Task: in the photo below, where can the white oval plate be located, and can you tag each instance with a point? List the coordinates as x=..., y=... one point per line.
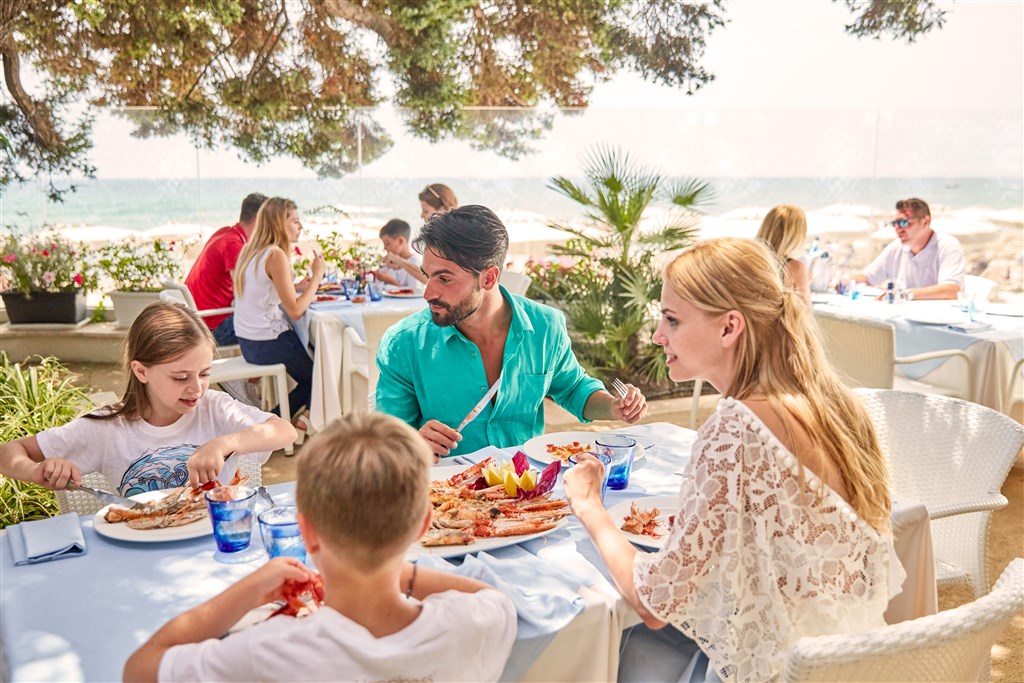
x=397, y=295
x=537, y=447
x=667, y=506
x=1009, y=310
x=935, y=317
x=122, y=532
x=439, y=472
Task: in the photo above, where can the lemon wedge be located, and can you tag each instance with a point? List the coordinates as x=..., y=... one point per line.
x=493, y=476
x=511, y=483
x=528, y=481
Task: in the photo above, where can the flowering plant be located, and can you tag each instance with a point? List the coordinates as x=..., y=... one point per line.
x=44, y=262
x=356, y=258
x=136, y=266
x=300, y=263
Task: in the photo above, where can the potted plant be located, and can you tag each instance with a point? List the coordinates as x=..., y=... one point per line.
x=136, y=269
x=43, y=278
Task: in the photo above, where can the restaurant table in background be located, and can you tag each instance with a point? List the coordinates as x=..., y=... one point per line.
x=321, y=330
x=79, y=619
x=992, y=352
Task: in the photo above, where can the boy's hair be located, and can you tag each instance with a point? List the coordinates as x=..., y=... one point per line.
x=163, y=332
x=396, y=227
x=363, y=485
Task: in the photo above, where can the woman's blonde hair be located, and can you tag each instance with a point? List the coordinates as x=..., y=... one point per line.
x=779, y=354
x=439, y=197
x=271, y=231
x=162, y=333
x=784, y=229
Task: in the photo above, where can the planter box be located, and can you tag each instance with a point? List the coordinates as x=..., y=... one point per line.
x=45, y=307
x=128, y=305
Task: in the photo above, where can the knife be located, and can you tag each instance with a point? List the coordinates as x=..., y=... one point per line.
x=480, y=406
x=106, y=496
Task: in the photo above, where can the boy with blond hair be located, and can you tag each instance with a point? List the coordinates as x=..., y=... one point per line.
x=362, y=496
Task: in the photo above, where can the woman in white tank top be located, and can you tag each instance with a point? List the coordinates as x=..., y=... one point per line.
x=265, y=293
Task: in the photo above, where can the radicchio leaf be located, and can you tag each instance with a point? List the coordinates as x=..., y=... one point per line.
x=520, y=463
x=547, y=480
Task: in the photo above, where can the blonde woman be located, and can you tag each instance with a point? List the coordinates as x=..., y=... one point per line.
x=434, y=198
x=784, y=229
x=783, y=525
x=265, y=293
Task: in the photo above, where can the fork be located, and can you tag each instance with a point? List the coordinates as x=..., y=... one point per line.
x=262, y=490
x=619, y=387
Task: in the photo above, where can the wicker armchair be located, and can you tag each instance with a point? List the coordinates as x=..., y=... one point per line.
x=360, y=357
x=949, y=646
x=83, y=503
x=952, y=456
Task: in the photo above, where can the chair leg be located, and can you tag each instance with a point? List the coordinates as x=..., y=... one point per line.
x=698, y=386
x=282, y=401
x=346, y=392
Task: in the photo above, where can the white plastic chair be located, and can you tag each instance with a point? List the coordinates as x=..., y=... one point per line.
x=953, y=456
x=359, y=356
x=1010, y=399
x=515, y=283
x=83, y=503
x=953, y=645
x=979, y=288
x=178, y=292
x=864, y=354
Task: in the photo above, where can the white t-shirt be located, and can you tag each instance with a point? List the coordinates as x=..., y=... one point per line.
x=403, y=277
x=941, y=262
x=258, y=313
x=457, y=637
x=136, y=456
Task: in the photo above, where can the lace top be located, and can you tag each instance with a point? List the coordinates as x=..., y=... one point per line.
x=753, y=562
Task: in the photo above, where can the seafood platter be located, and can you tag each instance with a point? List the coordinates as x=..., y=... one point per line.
x=645, y=521
x=490, y=505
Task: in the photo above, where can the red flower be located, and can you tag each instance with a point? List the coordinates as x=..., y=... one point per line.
x=10, y=258
x=53, y=245
x=298, y=252
x=78, y=279
x=45, y=252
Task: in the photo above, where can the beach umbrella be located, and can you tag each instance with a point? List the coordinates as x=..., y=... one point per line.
x=720, y=226
x=94, y=235
x=835, y=227
x=178, y=231
x=853, y=210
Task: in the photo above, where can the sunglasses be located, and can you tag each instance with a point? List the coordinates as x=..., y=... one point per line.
x=900, y=223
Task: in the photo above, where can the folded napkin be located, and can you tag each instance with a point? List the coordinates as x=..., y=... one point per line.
x=968, y=327
x=47, y=539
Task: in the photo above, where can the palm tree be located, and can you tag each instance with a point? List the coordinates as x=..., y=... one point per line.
x=612, y=317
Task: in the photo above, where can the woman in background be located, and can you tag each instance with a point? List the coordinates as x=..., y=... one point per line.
x=784, y=229
x=434, y=198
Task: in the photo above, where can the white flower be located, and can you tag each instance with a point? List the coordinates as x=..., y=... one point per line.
x=49, y=277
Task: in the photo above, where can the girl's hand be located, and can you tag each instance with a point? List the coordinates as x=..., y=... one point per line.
x=302, y=285
x=56, y=473
x=266, y=584
x=319, y=268
x=206, y=463
x=583, y=482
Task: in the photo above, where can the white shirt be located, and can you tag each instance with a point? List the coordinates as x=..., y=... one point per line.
x=404, y=278
x=941, y=262
x=457, y=637
x=136, y=456
x=258, y=314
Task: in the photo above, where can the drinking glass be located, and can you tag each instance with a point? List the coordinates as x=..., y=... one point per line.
x=279, y=528
x=965, y=300
x=231, y=509
x=620, y=450
x=606, y=462
x=375, y=290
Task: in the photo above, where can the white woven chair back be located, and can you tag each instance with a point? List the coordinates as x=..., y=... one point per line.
x=953, y=645
x=515, y=283
x=862, y=352
x=953, y=456
x=375, y=324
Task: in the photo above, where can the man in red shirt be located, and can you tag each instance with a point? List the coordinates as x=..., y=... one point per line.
x=210, y=278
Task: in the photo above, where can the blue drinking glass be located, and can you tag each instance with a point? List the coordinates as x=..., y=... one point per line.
x=279, y=528
x=620, y=450
x=231, y=511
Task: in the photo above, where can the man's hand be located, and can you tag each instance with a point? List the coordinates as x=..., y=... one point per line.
x=393, y=261
x=440, y=437
x=56, y=473
x=632, y=408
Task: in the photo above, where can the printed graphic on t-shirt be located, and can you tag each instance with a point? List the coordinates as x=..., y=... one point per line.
x=163, y=468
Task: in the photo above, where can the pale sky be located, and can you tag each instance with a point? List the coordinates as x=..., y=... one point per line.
x=794, y=95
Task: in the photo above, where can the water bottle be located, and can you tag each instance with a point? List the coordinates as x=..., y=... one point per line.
x=890, y=292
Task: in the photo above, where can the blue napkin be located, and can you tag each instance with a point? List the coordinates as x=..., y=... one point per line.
x=47, y=539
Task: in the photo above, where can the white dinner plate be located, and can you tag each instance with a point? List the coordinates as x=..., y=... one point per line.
x=935, y=317
x=398, y=295
x=537, y=447
x=1011, y=310
x=122, y=532
x=439, y=472
x=667, y=506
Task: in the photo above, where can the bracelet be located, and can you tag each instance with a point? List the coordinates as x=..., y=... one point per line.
x=412, y=580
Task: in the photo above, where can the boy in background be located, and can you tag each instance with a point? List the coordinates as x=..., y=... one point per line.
x=362, y=496
x=401, y=266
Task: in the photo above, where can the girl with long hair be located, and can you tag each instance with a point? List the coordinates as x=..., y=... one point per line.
x=265, y=293
x=783, y=527
x=167, y=430
x=784, y=230
x=434, y=198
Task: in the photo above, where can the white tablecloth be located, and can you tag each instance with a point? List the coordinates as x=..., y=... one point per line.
x=79, y=619
x=992, y=352
x=322, y=328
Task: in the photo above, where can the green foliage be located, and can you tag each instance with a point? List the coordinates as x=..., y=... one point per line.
x=139, y=266
x=607, y=278
x=902, y=19
x=33, y=398
x=44, y=262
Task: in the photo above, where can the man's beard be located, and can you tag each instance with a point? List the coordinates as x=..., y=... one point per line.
x=453, y=315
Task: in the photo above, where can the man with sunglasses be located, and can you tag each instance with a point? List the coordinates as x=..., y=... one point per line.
x=928, y=265
x=437, y=366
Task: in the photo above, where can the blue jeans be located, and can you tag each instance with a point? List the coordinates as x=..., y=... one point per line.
x=665, y=656
x=285, y=349
x=224, y=334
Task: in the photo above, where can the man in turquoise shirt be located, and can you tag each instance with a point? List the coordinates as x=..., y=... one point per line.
x=436, y=365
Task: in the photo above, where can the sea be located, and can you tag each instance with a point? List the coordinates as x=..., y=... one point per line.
x=142, y=204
